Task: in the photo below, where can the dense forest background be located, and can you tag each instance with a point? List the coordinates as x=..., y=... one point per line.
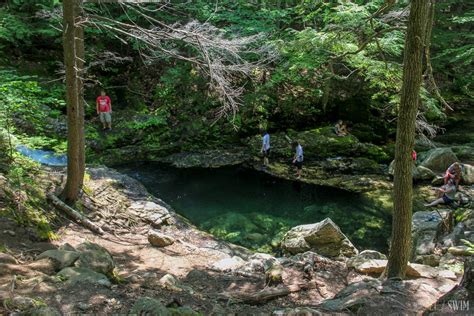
x=336, y=60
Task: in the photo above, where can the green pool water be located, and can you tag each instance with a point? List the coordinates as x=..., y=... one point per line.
x=254, y=210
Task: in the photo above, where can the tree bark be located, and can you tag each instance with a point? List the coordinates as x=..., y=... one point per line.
x=409, y=101
x=80, y=61
x=75, y=109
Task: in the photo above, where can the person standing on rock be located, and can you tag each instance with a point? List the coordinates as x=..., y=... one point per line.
x=265, y=148
x=298, y=158
x=104, y=110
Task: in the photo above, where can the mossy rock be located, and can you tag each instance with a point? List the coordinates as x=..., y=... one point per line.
x=149, y=306
x=319, y=143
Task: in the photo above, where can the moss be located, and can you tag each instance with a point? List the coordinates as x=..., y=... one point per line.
x=256, y=231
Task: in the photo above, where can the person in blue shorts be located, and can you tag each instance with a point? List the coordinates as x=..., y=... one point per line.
x=298, y=158
x=447, y=194
x=265, y=148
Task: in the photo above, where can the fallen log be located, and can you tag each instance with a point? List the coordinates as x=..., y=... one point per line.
x=265, y=294
x=83, y=220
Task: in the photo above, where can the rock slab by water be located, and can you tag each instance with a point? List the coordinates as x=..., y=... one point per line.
x=324, y=238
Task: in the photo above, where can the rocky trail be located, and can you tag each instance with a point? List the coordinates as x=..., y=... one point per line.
x=152, y=261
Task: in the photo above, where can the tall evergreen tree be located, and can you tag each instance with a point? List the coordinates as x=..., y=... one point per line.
x=409, y=102
x=73, y=39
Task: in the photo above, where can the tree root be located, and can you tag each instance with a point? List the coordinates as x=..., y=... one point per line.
x=83, y=220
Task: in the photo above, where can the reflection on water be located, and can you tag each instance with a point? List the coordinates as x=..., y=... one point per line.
x=253, y=209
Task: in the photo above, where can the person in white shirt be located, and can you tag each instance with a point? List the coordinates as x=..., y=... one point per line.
x=298, y=158
x=265, y=148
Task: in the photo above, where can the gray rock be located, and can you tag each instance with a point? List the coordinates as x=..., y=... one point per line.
x=22, y=303
x=96, y=258
x=364, y=256
x=469, y=236
x=83, y=275
x=149, y=306
x=414, y=270
x=67, y=247
x=426, y=227
x=158, y=239
x=8, y=259
x=83, y=306
x=324, y=238
x=228, y=264
x=468, y=174
x=355, y=294
x=45, y=311
x=423, y=173
x=439, y=159
x=430, y=260
x=453, y=238
x=262, y=261
x=453, y=263
x=169, y=281
x=299, y=311
x=420, y=173
x=62, y=258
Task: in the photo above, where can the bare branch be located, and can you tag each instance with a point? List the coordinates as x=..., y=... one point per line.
x=221, y=58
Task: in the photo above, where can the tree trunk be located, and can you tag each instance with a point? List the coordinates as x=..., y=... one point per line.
x=80, y=58
x=412, y=78
x=74, y=100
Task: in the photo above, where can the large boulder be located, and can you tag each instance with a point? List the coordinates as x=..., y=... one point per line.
x=438, y=159
x=426, y=227
x=96, y=258
x=468, y=174
x=420, y=173
x=365, y=256
x=62, y=258
x=228, y=264
x=83, y=276
x=324, y=238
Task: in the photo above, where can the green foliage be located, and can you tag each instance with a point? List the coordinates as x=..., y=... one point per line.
x=452, y=48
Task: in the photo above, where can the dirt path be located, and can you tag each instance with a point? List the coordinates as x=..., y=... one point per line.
x=124, y=209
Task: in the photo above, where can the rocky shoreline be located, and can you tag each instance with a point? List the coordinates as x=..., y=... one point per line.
x=150, y=256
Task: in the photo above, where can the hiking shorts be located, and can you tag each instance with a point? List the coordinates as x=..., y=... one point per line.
x=299, y=164
x=105, y=117
x=446, y=199
x=266, y=153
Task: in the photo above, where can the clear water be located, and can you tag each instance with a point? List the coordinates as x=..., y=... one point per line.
x=45, y=157
x=254, y=209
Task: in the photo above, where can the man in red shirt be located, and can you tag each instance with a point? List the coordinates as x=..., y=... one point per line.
x=104, y=110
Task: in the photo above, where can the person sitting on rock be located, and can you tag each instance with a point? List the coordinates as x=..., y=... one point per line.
x=446, y=194
x=298, y=158
x=341, y=128
x=453, y=172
